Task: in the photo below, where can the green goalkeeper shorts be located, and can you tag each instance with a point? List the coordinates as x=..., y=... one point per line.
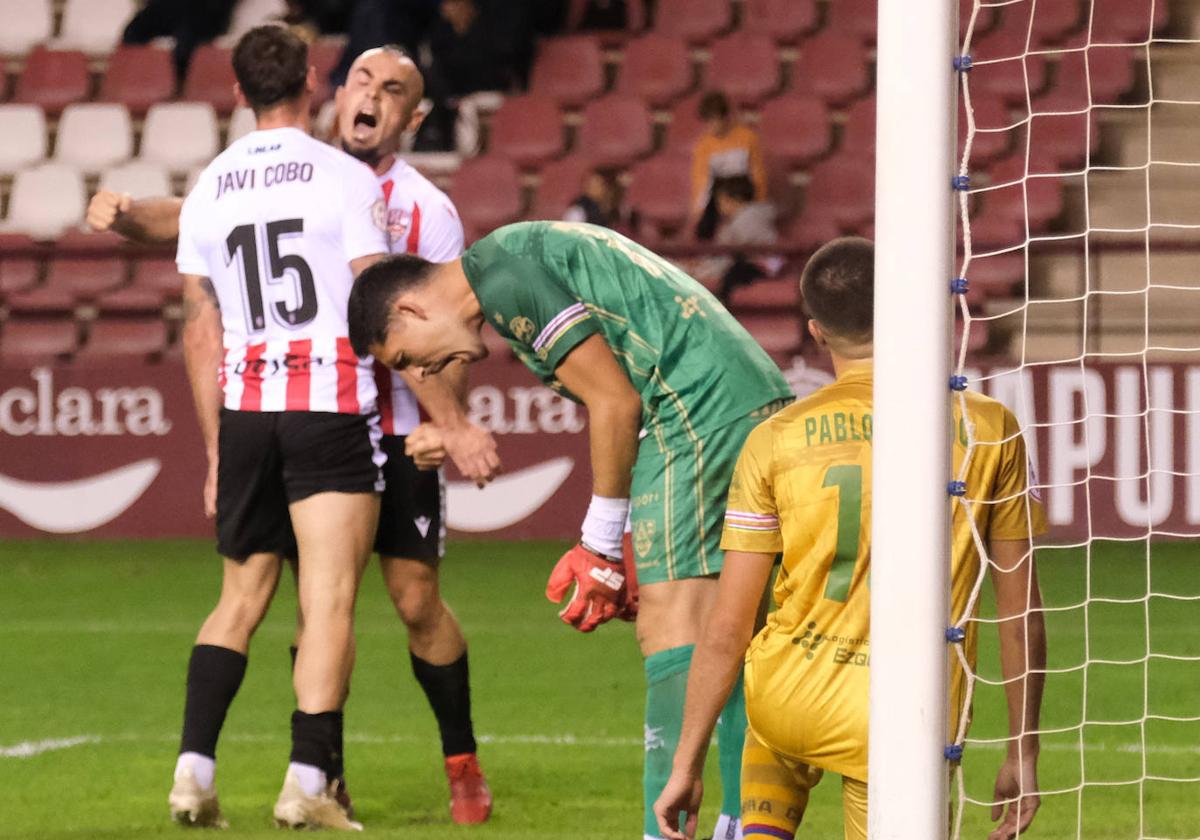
x=680, y=486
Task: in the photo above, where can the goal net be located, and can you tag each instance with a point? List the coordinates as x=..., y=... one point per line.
x=1079, y=308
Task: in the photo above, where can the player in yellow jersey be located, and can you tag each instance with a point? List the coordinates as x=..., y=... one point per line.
x=803, y=487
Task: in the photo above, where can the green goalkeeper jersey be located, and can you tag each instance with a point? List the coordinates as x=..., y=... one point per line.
x=546, y=286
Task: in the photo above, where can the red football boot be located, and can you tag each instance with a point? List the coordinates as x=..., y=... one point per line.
x=470, y=797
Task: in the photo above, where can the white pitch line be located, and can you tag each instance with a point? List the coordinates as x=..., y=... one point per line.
x=26, y=749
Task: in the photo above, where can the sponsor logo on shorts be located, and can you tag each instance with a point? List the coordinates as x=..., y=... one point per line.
x=643, y=537
x=848, y=651
x=423, y=523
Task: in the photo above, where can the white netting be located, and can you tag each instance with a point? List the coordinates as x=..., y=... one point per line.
x=1080, y=240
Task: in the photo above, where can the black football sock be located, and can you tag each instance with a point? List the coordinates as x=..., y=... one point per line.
x=448, y=688
x=293, y=650
x=214, y=675
x=316, y=741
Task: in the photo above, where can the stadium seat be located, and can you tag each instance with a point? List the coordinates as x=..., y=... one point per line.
x=795, y=129
x=241, y=122
x=635, y=16
x=139, y=178
x=990, y=114
x=660, y=191
x=745, y=67
x=86, y=278
x=324, y=54
x=657, y=68
x=1007, y=77
x=811, y=230
x=248, y=14
x=1103, y=74
x=785, y=21
x=20, y=267
x=858, y=132
x=527, y=130
x=994, y=276
x=180, y=135
x=778, y=334
x=685, y=127
x=210, y=78
x=94, y=26
x=842, y=189
x=1052, y=22
x=696, y=21
x=131, y=300
x=33, y=340
x=778, y=295
x=560, y=183
x=158, y=275
x=53, y=79
x=138, y=77
x=45, y=201
x=1041, y=199
x=92, y=136
x=26, y=24
x=569, y=70
x=834, y=67
x=616, y=131
x=487, y=193
x=1066, y=138
x=128, y=338
x=857, y=18
x=22, y=137
x=1127, y=21
x=81, y=242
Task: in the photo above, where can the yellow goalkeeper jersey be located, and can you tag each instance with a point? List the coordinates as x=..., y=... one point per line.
x=802, y=487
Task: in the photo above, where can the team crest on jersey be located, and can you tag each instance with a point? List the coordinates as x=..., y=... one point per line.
x=379, y=214
x=643, y=537
x=522, y=328
x=398, y=222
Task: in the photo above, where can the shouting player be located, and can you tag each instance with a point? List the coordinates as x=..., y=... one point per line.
x=270, y=240
x=378, y=104
x=643, y=346
x=803, y=488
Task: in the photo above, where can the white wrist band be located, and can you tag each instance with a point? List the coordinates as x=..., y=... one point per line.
x=604, y=525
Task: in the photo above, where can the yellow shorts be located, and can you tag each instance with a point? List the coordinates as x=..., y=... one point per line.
x=775, y=795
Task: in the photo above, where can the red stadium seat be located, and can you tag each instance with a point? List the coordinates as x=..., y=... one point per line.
x=487, y=193
x=657, y=68
x=53, y=79
x=795, y=129
x=745, y=67
x=561, y=183
x=616, y=131
x=772, y=295
x=86, y=278
x=1066, y=138
x=1106, y=73
x=785, y=21
x=778, y=334
x=857, y=18
x=994, y=276
x=1127, y=21
x=210, y=78
x=858, y=134
x=834, y=67
x=34, y=340
x=1052, y=22
x=1038, y=198
x=811, y=230
x=20, y=267
x=685, y=127
x=843, y=190
x=696, y=21
x=1006, y=78
x=324, y=54
x=659, y=191
x=990, y=115
x=138, y=77
x=131, y=300
x=159, y=276
x=569, y=70
x=527, y=130
x=129, y=338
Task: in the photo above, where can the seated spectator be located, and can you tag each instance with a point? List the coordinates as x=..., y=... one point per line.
x=598, y=204
x=726, y=149
x=374, y=23
x=190, y=23
x=743, y=219
x=602, y=14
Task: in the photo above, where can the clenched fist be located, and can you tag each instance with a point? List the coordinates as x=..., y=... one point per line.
x=106, y=207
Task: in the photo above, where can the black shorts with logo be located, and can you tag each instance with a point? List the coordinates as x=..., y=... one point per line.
x=270, y=459
x=412, y=512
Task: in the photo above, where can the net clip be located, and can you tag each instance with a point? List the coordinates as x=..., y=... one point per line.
x=963, y=63
x=954, y=635
x=957, y=488
x=958, y=383
x=961, y=183
x=960, y=286
x=953, y=752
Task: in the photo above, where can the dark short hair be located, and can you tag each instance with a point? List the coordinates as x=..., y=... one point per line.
x=737, y=187
x=713, y=105
x=838, y=287
x=271, y=66
x=374, y=292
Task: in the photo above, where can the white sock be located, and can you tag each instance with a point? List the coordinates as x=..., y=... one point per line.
x=728, y=828
x=312, y=779
x=202, y=767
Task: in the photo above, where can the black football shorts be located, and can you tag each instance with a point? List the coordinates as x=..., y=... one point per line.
x=270, y=459
x=412, y=511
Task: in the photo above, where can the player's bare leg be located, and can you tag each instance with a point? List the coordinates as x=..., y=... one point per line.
x=438, y=651
x=671, y=616
x=215, y=671
x=334, y=532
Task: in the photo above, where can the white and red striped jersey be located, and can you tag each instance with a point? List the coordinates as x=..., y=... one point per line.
x=274, y=222
x=421, y=220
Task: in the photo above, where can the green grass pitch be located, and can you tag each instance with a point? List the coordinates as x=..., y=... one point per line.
x=95, y=636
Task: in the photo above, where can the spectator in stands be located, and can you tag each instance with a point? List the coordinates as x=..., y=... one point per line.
x=603, y=14
x=374, y=23
x=726, y=149
x=598, y=204
x=191, y=24
x=743, y=219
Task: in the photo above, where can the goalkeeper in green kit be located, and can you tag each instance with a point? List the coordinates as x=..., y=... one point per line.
x=673, y=385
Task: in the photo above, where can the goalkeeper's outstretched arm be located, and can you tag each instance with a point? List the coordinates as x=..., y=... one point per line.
x=1022, y=630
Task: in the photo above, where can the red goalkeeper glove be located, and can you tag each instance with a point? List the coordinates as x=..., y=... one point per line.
x=599, y=588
